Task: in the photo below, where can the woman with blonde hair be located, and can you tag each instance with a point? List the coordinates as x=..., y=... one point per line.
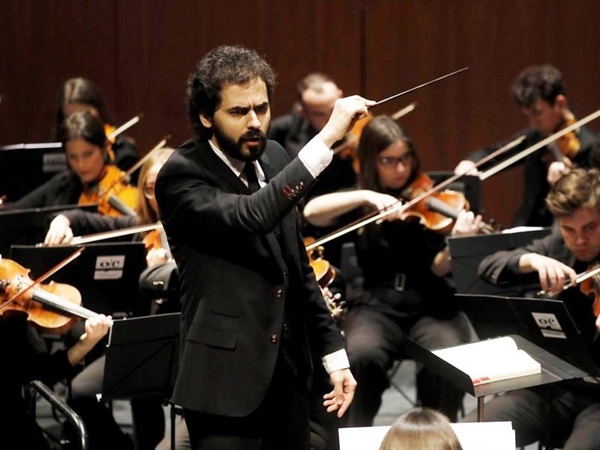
x=421, y=428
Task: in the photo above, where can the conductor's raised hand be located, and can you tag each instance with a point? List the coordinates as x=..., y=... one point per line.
x=345, y=113
x=340, y=398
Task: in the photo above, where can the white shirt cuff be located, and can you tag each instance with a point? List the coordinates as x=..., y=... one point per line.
x=336, y=361
x=316, y=156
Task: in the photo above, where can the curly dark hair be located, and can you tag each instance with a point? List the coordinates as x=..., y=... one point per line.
x=226, y=64
x=538, y=82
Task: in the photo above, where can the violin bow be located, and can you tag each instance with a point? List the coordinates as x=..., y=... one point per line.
x=45, y=276
x=125, y=126
x=579, y=279
x=528, y=151
x=79, y=240
x=378, y=215
x=136, y=166
x=397, y=115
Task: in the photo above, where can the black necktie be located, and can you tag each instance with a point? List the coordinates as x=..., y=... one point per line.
x=251, y=177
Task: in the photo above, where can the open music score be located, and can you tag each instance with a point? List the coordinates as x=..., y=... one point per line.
x=491, y=360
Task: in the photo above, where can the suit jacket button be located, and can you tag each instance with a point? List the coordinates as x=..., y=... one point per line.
x=274, y=338
x=279, y=293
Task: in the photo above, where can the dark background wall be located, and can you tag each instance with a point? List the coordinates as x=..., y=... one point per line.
x=140, y=53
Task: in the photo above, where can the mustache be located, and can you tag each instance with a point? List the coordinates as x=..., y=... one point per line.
x=257, y=134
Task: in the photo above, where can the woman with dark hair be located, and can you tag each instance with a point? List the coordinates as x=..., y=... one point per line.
x=82, y=94
x=89, y=172
x=404, y=264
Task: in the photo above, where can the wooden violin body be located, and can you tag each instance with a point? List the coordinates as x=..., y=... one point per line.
x=422, y=210
x=112, y=194
x=591, y=287
x=53, y=307
x=325, y=275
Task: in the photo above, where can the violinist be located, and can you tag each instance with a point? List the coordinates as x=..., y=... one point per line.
x=540, y=94
x=159, y=294
x=316, y=94
x=573, y=411
x=404, y=266
x=91, y=177
x=25, y=357
x=82, y=94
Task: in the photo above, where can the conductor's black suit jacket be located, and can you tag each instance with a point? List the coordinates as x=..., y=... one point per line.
x=244, y=273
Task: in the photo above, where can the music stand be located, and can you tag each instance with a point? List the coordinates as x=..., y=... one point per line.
x=106, y=274
x=142, y=357
x=542, y=327
x=468, y=251
x=544, y=322
x=41, y=162
x=29, y=226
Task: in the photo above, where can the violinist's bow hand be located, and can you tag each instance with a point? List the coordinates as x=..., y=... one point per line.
x=557, y=169
x=59, y=232
x=466, y=167
x=554, y=276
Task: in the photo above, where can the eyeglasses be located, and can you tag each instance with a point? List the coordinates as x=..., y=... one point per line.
x=149, y=191
x=392, y=162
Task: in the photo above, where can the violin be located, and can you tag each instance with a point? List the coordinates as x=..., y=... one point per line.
x=591, y=287
x=438, y=211
x=347, y=149
x=421, y=210
x=53, y=307
x=112, y=194
x=566, y=146
x=325, y=275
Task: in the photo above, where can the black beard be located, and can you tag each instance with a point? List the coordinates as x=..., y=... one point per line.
x=234, y=148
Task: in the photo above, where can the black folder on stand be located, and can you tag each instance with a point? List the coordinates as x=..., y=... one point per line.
x=24, y=167
x=106, y=274
x=29, y=226
x=468, y=251
x=142, y=357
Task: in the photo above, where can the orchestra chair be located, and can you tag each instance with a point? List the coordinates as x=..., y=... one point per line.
x=37, y=388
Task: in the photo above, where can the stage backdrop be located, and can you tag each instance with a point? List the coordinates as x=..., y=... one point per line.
x=140, y=53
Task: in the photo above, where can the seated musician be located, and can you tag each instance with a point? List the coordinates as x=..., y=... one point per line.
x=148, y=415
x=25, y=357
x=540, y=93
x=91, y=177
x=82, y=94
x=404, y=265
x=568, y=410
x=316, y=94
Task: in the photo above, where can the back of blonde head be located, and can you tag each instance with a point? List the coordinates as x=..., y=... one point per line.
x=421, y=428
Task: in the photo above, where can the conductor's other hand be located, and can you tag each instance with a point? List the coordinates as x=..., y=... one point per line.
x=340, y=398
x=345, y=113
